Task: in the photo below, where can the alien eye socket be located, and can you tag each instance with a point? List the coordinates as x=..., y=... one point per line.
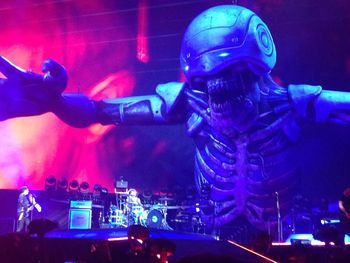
x=199, y=84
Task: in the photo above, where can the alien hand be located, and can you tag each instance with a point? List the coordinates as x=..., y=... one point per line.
x=25, y=93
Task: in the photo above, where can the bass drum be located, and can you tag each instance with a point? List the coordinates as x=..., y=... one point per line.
x=152, y=219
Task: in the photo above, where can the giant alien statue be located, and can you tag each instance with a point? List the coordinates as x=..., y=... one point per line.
x=243, y=124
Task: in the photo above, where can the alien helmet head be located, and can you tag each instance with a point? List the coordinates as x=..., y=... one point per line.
x=223, y=36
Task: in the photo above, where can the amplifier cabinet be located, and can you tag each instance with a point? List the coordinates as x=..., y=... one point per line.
x=79, y=218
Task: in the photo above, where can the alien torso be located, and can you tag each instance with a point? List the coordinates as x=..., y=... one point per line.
x=247, y=172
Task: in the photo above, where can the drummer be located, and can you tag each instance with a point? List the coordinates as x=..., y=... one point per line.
x=134, y=206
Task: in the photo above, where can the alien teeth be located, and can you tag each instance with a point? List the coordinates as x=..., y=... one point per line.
x=225, y=107
x=217, y=85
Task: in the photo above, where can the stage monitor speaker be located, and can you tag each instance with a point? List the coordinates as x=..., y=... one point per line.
x=79, y=218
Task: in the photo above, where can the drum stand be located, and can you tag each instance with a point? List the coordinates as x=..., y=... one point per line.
x=119, y=213
x=119, y=200
x=129, y=215
x=165, y=224
x=164, y=210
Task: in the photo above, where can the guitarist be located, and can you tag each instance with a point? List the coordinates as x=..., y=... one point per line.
x=26, y=203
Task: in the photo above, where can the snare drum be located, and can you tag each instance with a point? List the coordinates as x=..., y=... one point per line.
x=137, y=210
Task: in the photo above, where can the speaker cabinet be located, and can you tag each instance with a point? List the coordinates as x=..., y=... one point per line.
x=79, y=218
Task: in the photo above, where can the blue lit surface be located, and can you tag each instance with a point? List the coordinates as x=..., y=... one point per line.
x=79, y=218
x=310, y=238
x=347, y=239
x=304, y=237
x=104, y=234
x=224, y=54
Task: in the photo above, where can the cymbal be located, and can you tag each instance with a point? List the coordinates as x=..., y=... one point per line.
x=161, y=206
x=172, y=207
x=165, y=198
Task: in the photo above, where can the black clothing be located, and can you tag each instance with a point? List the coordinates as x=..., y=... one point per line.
x=24, y=208
x=344, y=220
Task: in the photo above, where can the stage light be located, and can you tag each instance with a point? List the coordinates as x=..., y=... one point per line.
x=104, y=193
x=84, y=188
x=73, y=186
x=97, y=188
x=50, y=183
x=62, y=185
x=142, y=53
x=96, y=193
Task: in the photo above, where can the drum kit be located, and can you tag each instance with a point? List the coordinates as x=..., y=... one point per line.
x=151, y=216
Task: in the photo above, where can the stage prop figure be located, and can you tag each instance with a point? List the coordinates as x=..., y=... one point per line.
x=243, y=124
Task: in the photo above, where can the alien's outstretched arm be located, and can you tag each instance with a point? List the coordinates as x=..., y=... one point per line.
x=333, y=106
x=321, y=105
x=25, y=93
x=167, y=106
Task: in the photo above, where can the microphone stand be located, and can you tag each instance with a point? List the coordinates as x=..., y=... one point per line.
x=279, y=221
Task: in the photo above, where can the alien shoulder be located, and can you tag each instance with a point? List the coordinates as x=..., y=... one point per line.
x=302, y=98
x=172, y=93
